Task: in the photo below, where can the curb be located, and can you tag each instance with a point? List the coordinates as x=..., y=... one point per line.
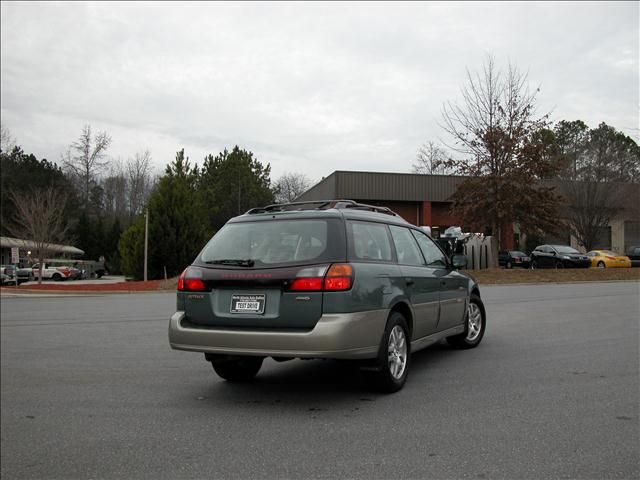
x=28, y=292
x=572, y=282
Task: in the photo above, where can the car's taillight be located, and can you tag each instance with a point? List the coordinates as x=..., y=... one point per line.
x=306, y=284
x=339, y=277
x=610, y=258
x=191, y=281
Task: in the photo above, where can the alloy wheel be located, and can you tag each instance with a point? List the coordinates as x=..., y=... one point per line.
x=474, y=321
x=397, y=352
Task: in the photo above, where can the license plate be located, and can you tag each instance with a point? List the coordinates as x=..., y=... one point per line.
x=248, y=303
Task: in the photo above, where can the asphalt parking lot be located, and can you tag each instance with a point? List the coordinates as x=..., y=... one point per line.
x=90, y=389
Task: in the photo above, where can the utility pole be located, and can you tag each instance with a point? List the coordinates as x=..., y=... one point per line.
x=146, y=241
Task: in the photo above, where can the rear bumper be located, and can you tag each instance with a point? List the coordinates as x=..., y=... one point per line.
x=344, y=336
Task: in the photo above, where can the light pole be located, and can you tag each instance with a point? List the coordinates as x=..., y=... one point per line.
x=146, y=241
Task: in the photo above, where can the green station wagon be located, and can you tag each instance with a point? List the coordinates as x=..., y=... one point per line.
x=328, y=279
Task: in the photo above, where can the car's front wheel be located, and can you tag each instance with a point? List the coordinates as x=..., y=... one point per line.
x=389, y=373
x=475, y=326
x=237, y=369
x=509, y=265
x=601, y=264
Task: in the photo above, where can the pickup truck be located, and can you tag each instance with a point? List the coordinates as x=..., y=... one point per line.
x=50, y=272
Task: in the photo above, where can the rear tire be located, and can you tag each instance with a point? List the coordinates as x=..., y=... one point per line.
x=601, y=265
x=474, y=328
x=391, y=367
x=509, y=265
x=237, y=369
x=56, y=277
x=534, y=265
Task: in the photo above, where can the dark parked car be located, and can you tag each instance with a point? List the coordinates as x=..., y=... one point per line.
x=332, y=279
x=513, y=258
x=634, y=256
x=558, y=256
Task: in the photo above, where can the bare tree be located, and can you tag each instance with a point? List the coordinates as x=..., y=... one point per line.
x=39, y=217
x=86, y=158
x=496, y=130
x=430, y=160
x=115, y=186
x=140, y=182
x=590, y=207
x=7, y=141
x=601, y=161
x=290, y=186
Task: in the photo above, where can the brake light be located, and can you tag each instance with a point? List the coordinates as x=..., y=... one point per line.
x=306, y=284
x=191, y=281
x=339, y=277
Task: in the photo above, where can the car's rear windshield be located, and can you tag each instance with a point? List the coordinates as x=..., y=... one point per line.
x=561, y=249
x=516, y=253
x=276, y=242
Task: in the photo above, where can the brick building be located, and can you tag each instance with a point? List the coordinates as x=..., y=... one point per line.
x=425, y=200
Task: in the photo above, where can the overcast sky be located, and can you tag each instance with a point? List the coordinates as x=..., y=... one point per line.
x=308, y=87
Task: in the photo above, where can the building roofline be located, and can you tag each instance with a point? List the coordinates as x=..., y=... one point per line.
x=9, y=242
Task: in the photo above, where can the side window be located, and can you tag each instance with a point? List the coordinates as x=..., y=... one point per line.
x=369, y=241
x=406, y=247
x=432, y=254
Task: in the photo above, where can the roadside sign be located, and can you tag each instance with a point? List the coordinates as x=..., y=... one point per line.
x=15, y=255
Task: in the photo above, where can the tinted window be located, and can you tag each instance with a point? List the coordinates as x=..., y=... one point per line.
x=271, y=242
x=561, y=249
x=369, y=241
x=406, y=247
x=432, y=254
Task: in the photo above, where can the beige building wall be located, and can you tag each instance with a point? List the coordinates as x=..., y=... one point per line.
x=617, y=236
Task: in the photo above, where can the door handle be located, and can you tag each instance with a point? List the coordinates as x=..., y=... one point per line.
x=409, y=282
x=443, y=283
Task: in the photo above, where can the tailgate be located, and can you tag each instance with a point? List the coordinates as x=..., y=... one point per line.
x=253, y=299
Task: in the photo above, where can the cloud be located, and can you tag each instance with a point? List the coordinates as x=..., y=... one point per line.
x=308, y=87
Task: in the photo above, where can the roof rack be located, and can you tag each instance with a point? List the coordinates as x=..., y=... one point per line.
x=320, y=205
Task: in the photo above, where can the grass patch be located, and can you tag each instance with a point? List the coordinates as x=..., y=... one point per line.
x=498, y=276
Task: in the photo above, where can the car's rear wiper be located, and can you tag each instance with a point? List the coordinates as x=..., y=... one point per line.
x=231, y=261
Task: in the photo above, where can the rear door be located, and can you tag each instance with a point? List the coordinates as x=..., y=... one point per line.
x=422, y=282
x=543, y=256
x=452, y=285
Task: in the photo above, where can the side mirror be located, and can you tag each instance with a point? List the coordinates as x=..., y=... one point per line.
x=459, y=261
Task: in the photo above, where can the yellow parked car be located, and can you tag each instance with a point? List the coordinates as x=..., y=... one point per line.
x=608, y=259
